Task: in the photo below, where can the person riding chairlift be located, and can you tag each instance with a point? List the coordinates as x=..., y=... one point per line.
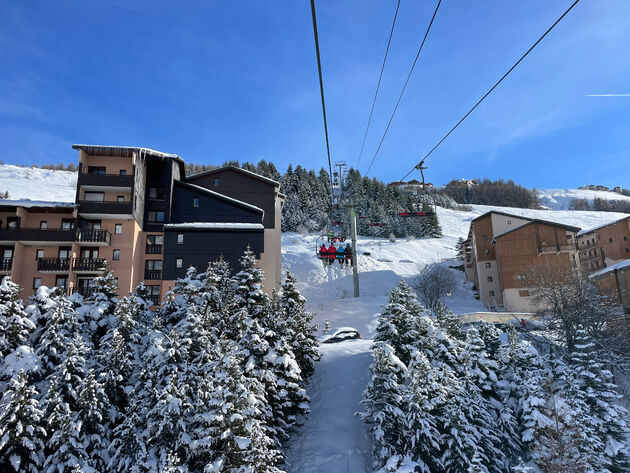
x=323, y=251
x=332, y=254
x=340, y=254
x=348, y=254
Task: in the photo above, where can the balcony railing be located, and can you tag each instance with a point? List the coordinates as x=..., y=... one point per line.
x=152, y=274
x=105, y=207
x=88, y=265
x=556, y=248
x=94, y=236
x=154, y=250
x=85, y=291
x=155, y=300
x=5, y=265
x=53, y=265
x=104, y=180
x=37, y=234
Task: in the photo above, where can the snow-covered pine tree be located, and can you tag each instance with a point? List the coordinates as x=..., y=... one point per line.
x=459, y=248
x=384, y=401
x=93, y=409
x=15, y=324
x=248, y=285
x=397, y=323
x=301, y=333
x=591, y=387
x=22, y=436
x=100, y=304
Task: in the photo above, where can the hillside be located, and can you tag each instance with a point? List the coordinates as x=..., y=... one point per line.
x=38, y=184
x=560, y=199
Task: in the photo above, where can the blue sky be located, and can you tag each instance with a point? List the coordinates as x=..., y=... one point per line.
x=219, y=80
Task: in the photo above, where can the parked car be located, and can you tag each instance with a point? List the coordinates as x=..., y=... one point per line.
x=342, y=334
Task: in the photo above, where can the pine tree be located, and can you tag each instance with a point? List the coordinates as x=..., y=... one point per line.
x=21, y=433
x=101, y=303
x=248, y=284
x=15, y=325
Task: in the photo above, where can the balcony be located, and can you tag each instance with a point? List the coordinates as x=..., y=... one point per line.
x=110, y=182
x=88, y=265
x=37, y=235
x=95, y=208
x=153, y=250
x=152, y=274
x=53, y=265
x=543, y=250
x=5, y=265
x=94, y=237
x=155, y=300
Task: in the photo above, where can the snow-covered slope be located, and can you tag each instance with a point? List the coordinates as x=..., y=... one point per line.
x=560, y=199
x=38, y=184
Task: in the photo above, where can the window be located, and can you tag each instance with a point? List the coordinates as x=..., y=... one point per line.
x=155, y=239
x=153, y=265
x=595, y=252
x=523, y=293
x=625, y=238
x=120, y=199
x=123, y=172
x=13, y=223
x=180, y=238
x=484, y=237
x=64, y=253
x=610, y=240
x=488, y=265
x=509, y=222
x=118, y=229
x=195, y=201
x=599, y=236
x=491, y=293
x=487, y=252
x=40, y=254
x=179, y=262
x=43, y=225
x=96, y=169
x=217, y=181
x=116, y=282
x=156, y=217
x=156, y=193
x=569, y=238
x=37, y=282
x=521, y=277
x=154, y=293
x=67, y=224
x=116, y=255
x=7, y=253
x=61, y=281
x=627, y=250
x=95, y=196
x=489, y=278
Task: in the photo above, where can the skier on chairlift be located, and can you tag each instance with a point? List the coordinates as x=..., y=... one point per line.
x=340, y=254
x=348, y=254
x=323, y=251
x=332, y=254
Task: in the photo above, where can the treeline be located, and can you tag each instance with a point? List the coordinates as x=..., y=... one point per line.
x=601, y=205
x=450, y=399
x=211, y=381
x=487, y=192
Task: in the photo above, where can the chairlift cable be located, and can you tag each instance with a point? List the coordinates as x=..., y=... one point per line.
x=321, y=89
x=494, y=86
x=402, y=92
x=378, y=84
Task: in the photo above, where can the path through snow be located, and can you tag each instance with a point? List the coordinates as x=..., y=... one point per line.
x=334, y=439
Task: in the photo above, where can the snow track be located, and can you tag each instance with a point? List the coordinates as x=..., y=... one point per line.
x=333, y=438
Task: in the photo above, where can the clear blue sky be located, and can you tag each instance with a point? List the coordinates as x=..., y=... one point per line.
x=219, y=80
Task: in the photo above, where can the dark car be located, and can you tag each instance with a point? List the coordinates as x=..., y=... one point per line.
x=342, y=334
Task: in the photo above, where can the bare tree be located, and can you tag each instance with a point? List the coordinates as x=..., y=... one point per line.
x=432, y=285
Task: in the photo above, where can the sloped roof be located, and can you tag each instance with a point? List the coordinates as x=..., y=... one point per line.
x=604, y=225
x=498, y=212
x=229, y=167
x=621, y=266
x=219, y=196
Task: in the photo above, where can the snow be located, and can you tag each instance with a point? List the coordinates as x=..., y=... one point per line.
x=34, y=183
x=621, y=265
x=560, y=199
x=216, y=226
x=35, y=203
x=333, y=438
x=21, y=359
x=590, y=230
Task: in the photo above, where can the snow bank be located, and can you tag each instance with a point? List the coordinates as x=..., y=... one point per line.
x=560, y=199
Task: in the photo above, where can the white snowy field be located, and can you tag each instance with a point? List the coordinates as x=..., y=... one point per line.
x=333, y=439
x=38, y=184
x=560, y=199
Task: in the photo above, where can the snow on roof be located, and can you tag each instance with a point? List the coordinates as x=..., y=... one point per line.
x=35, y=203
x=234, y=168
x=221, y=196
x=621, y=266
x=216, y=226
x=590, y=230
x=122, y=150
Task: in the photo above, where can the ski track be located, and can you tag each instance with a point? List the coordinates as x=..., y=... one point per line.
x=334, y=439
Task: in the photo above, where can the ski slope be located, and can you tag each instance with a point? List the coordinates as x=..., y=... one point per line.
x=38, y=184
x=560, y=199
x=333, y=439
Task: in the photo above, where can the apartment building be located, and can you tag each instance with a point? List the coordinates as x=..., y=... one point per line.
x=605, y=255
x=501, y=249
x=136, y=210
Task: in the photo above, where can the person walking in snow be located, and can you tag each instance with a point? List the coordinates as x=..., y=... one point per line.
x=348, y=254
x=340, y=254
x=332, y=254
